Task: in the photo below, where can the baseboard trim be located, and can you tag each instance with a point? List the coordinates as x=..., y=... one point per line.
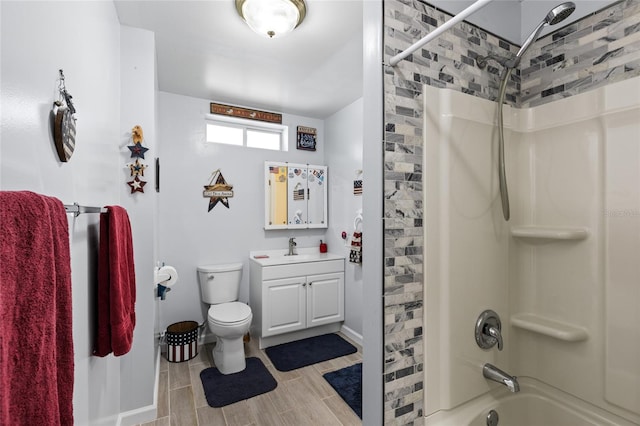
x=351, y=334
x=143, y=414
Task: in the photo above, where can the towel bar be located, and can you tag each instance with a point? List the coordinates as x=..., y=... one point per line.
x=77, y=209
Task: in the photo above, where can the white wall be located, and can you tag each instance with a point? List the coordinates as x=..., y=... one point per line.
x=344, y=146
x=138, y=107
x=189, y=235
x=372, y=206
x=84, y=39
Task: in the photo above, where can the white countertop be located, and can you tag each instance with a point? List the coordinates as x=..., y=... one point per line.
x=280, y=257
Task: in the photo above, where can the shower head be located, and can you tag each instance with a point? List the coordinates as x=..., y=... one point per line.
x=555, y=15
x=560, y=13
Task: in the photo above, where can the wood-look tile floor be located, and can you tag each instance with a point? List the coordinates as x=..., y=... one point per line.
x=302, y=397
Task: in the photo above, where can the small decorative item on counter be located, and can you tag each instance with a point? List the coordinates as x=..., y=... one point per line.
x=323, y=247
x=220, y=191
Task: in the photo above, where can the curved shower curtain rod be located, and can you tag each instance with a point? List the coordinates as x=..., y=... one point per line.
x=435, y=33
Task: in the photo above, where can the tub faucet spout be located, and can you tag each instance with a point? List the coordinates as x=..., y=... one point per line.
x=492, y=372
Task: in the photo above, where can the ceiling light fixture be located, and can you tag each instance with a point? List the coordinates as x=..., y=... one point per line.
x=272, y=18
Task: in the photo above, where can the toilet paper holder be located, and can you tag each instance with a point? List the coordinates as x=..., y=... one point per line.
x=164, y=277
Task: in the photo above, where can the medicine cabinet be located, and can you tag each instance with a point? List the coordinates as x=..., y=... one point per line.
x=295, y=196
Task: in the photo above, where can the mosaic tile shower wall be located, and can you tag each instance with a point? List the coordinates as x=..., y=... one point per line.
x=600, y=49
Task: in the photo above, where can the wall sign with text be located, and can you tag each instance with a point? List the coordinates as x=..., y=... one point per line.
x=306, y=138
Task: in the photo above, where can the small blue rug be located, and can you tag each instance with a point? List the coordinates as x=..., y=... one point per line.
x=221, y=389
x=298, y=354
x=348, y=383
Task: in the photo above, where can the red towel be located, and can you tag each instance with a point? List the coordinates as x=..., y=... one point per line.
x=116, y=284
x=36, y=342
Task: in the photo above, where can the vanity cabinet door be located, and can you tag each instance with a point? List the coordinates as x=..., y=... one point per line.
x=325, y=299
x=284, y=305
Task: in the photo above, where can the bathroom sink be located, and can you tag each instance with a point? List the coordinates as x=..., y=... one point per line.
x=281, y=257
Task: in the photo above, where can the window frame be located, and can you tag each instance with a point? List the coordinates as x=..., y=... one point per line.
x=245, y=124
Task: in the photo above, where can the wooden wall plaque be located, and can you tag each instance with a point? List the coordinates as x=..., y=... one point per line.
x=247, y=113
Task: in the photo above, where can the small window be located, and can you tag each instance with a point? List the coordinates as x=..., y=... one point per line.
x=217, y=133
x=239, y=132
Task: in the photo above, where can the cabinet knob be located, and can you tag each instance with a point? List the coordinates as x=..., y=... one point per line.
x=304, y=285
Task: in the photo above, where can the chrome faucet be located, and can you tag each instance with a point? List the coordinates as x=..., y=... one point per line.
x=292, y=247
x=488, y=330
x=492, y=372
x=495, y=333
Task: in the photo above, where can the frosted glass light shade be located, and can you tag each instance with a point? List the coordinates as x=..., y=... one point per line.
x=272, y=18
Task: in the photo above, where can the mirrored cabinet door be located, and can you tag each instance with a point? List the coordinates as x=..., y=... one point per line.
x=295, y=196
x=317, y=196
x=275, y=196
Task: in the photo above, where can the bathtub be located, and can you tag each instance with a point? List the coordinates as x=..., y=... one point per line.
x=535, y=405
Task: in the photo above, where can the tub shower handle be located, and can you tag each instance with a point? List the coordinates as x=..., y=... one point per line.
x=495, y=333
x=489, y=330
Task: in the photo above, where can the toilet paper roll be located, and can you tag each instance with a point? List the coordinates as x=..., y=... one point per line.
x=167, y=276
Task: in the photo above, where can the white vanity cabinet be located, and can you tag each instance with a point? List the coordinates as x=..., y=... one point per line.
x=296, y=300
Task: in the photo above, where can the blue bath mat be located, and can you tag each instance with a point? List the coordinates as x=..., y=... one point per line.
x=221, y=389
x=298, y=354
x=348, y=383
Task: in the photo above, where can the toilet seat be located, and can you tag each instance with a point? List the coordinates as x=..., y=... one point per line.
x=229, y=314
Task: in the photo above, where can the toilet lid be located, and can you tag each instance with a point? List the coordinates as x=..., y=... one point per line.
x=229, y=312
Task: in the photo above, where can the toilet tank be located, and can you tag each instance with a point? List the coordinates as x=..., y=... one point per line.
x=219, y=283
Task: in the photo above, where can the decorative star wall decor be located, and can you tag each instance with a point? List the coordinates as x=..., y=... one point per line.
x=218, y=192
x=137, y=168
x=137, y=150
x=137, y=185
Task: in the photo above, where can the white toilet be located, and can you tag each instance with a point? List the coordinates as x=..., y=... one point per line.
x=228, y=319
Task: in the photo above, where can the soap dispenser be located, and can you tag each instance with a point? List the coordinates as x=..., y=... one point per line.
x=323, y=247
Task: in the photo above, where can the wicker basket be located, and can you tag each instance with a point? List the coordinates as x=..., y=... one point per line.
x=182, y=341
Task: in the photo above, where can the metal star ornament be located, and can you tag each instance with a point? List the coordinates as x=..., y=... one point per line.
x=137, y=168
x=137, y=150
x=137, y=185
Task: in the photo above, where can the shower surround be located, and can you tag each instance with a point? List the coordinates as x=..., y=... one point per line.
x=560, y=273
x=601, y=49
